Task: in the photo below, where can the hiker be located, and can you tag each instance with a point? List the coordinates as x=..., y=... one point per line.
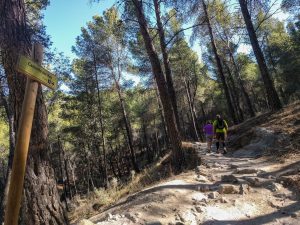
x=220, y=131
x=208, y=130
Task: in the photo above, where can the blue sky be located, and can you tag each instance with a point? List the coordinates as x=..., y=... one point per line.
x=64, y=19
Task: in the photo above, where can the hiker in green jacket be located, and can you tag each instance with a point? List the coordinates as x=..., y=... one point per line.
x=220, y=131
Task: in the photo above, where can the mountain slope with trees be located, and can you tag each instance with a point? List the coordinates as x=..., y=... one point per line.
x=137, y=93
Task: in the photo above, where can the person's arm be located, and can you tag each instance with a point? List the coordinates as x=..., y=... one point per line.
x=226, y=126
x=214, y=128
x=226, y=129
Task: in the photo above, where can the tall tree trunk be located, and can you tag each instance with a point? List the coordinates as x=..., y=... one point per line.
x=62, y=172
x=127, y=124
x=178, y=156
x=64, y=158
x=272, y=96
x=168, y=71
x=219, y=65
x=73, y=177
x=234, y=94
x=273, y=64
x=149, y=156
x=101, y=122
x=41, y=200
x=67, y=175
x=188, y=94
x=241, y=84
x=162, y=116
x=193, y=97
x=203, y=112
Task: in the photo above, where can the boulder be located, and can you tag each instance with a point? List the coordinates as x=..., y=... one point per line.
x=213, y=195
x=229, y=179
x=257, y=181
x=228, y=189
x=244, y=189
x=201, y=178
x=274, y=187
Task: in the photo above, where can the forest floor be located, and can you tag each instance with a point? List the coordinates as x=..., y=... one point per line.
x=255, y=183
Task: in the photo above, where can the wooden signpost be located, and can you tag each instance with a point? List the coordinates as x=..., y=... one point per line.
x=35, y=74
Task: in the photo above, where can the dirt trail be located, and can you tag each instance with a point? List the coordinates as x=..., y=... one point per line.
x=234, y=189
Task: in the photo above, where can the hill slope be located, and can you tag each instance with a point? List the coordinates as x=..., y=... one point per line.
x=247, y=186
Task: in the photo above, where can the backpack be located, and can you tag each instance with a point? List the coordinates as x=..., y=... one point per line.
x=220, y=124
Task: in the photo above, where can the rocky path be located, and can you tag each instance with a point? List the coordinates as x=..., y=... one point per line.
x=233, y=189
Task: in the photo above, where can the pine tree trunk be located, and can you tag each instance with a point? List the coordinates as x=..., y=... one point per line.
x=127, y=125
x=203, y=112
x=149, y=157
x=234, y=93
x=101, y=123
x=188, y=94
x=70, y=192
x=219, y=65
x=168, y=71
x=178, y=156
x=162, y=116
x=62, y=173
x=241, y=84
x=41, y=201
x=272, y=96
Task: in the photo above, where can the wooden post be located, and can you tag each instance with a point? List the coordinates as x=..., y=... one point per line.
x=22, y=145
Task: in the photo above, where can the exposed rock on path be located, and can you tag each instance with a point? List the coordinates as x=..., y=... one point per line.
x=223, y=190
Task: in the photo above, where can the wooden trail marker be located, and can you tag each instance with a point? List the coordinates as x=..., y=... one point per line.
x=36, y=72
x=22, y=143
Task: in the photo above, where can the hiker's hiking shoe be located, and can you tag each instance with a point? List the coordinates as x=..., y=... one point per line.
x=224, y=151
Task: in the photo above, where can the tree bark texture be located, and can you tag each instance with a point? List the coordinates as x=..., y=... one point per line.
x=168, y=71
x=272, y=96
x=41, y=203
x=178, y=156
